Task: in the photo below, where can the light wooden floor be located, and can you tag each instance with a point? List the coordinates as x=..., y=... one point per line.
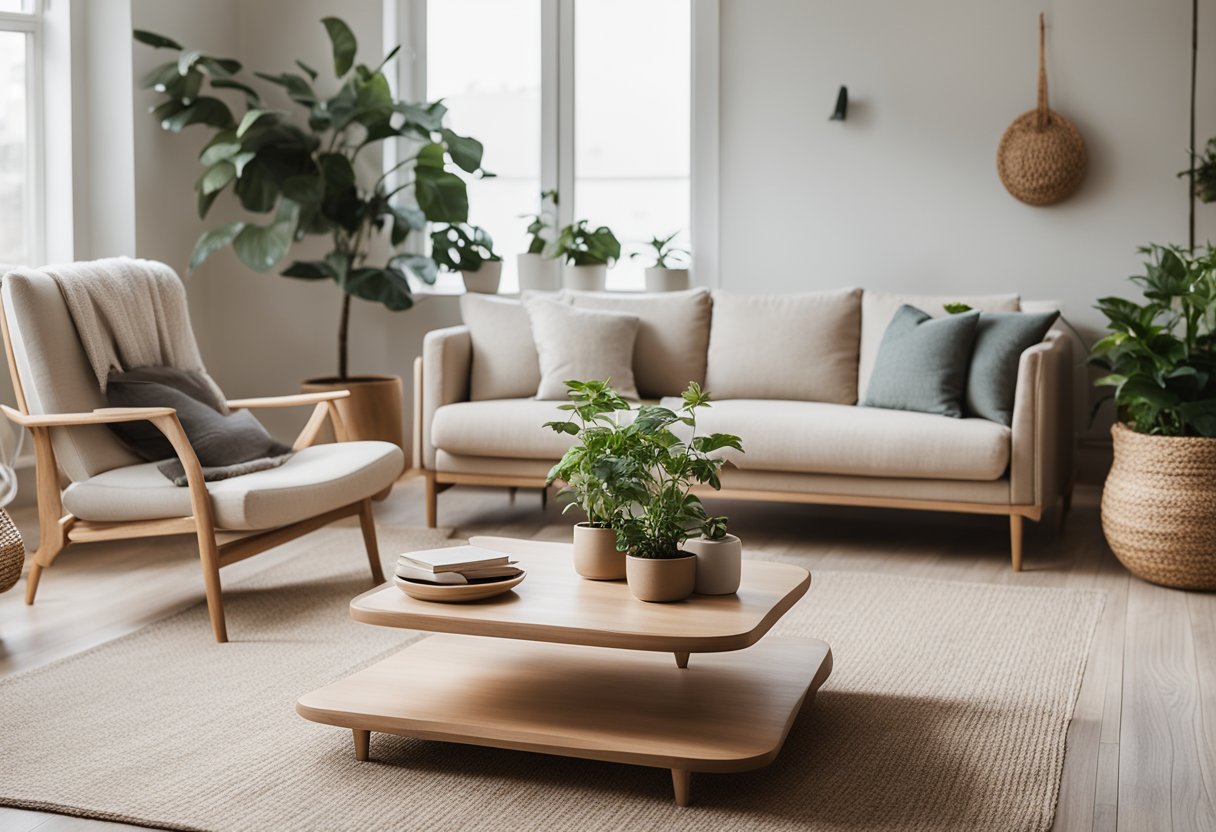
x=1141, y=748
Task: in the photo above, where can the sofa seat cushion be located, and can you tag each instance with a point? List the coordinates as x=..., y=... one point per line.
x=511, y=428
x=819, y=438
x=314, y=480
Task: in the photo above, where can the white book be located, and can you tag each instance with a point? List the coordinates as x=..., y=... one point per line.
x=487, y=573
x=453, y=559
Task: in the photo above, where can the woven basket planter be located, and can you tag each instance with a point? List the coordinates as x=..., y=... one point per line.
x=12, y=552
x=1159, y=508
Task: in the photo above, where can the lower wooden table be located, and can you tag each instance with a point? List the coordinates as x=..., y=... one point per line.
x=519, y=672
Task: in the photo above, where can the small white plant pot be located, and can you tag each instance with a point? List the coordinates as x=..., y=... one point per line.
x=485, y=280
x=585, y=278
x=595, y=554
x=719, y=564
x=538, y=273
x=666, y=280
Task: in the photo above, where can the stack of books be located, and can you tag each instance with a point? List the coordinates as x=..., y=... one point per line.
x=458, y=565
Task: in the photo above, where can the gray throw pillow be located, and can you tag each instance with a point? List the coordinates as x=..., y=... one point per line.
x=226, y=444
x=1000, y=340
x=922, y=363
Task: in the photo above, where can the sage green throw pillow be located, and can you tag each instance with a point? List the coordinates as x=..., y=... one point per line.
x=922, y=363
x=1000, y=340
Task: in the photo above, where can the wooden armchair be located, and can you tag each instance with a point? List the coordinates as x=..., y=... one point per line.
x=111, y=494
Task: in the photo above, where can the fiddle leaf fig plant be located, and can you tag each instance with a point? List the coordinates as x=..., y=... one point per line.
x=1160, y=355
x=306, y=172
x=579, y=245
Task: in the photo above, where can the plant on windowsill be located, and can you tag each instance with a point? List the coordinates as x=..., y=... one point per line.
x=539, y=268
x=670, y=270
x=310, y=176
x=1159, y=502
x=587, y=253
x=469, y=250
x=599, y=475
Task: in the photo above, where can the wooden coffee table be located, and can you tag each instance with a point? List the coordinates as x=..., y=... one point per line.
x=519, y=672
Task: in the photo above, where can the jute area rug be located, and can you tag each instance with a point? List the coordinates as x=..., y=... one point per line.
x=947, y=709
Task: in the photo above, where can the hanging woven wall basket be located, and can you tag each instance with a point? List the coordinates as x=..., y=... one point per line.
x=1041, y=159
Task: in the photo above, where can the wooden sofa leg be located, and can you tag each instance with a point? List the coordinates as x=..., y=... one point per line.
x=432, y=501
x=367, y=522
x=31, y=582
x=209, y=554
x=1015, y=540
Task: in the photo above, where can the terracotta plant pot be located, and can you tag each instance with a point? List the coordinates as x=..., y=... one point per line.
x=666, y=280
x=374, y=410
x=719, y=564
x=538, y=274
x=585, y=278
x=595, y=554
x=485, y=280
x=661, y=579
x=1159, y=508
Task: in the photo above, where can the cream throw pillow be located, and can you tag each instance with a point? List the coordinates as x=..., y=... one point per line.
x=673, y=336
x=581, y=344
x=800, y=347
x=505, y=364
x=879, y=308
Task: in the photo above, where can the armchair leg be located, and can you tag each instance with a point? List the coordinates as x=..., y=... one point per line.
x=209, y=554
x=43, y=557
x=367, y=522
x=432, y=500
x=1015, y=540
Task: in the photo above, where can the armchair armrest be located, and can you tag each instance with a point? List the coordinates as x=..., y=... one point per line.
x=100, y=416
x=445, y=368
x=1040, y=465
x=295, y=400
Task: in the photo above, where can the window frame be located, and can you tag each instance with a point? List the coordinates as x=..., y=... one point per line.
x=31, y=24
x=405, y=23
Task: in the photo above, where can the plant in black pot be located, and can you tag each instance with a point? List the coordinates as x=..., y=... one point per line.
x=308, y=174
x=1159, y=502
x=469, y=250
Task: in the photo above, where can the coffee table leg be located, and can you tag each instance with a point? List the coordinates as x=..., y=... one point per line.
x=681, y=660
x=362, y=742
x=681, y=781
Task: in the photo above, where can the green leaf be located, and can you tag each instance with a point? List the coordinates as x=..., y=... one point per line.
x=298, y=88
x=388, y=286
x=253, y=117
x=220, y=66
x=1201, y=415
x=256, y=188
x=956, y=308
x=205, y=110
x=204, y=203
x=160, y=77
x=154, y=40
x=309, y=270
x=261, y=247
x=212, y=241
x=217, y=177
x=309, y=71
x=304, y=189
x=419, y=265
x=344, y=44
x=442, y=196
x=252, y=98
x=466, y=152
x=219, y=151
x=338, y=173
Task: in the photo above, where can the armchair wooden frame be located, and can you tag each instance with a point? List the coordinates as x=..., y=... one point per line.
x=217, y=548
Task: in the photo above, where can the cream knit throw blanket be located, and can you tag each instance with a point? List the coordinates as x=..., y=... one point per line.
x=130, y=314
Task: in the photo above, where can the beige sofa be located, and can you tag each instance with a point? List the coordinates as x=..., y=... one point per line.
x=798, y=449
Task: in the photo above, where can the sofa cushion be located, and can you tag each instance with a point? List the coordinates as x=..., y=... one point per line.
x=673, y=336
x=922, y=363
x=581, y=344
x=797, y=346
x=818, y=438
x=512, y=428
x=878, y=308
x=504, y=363
x=313, y=481
x=1000, y=340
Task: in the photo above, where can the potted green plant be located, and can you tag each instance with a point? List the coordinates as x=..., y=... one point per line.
x=307, y=176
x=469, y=250
x=539, y=268
x=599, y=475
x=587, y=253
x=719, y=559
x=1159, y=501
x=666, y=275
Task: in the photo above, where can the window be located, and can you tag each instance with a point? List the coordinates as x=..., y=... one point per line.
x=19, y=195
x=620, y=153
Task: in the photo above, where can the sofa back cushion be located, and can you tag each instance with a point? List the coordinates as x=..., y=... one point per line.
x=580, y=345
x=800, y=347
x=673, y=336
x=879, y=308
x=504, y=364
x=922, y=363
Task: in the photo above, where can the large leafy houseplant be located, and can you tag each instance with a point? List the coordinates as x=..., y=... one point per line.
x=1160, y=355
x=303, y=172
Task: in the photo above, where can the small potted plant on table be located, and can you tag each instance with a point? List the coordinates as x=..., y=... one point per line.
x=665, y=275
x=600, y=476
x=719, y=559
x=587, y=254
x=539, y=267
x=468, y=249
